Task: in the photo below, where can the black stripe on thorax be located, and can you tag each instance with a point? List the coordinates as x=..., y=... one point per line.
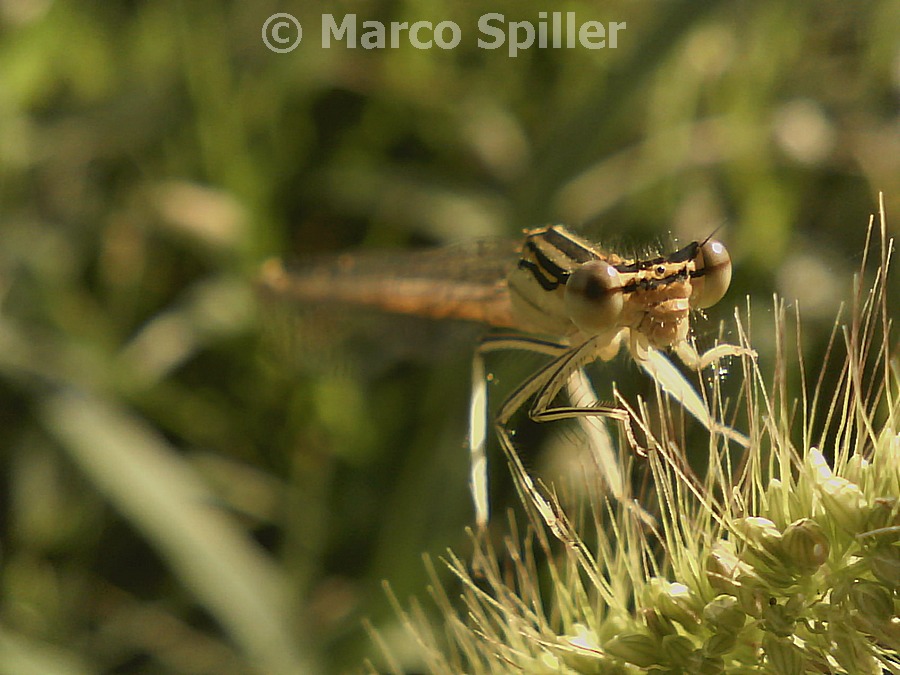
x=559, y=273
x=535, y=269
x=556, y=253
x=570, y=247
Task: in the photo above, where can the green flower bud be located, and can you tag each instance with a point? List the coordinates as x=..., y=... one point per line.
x=722, y=566
x=678, y=649
x=719, y=644
x=805, y=545
x=885, y=564
x=658, y=624
x=884, y=514
x=872, y=601
x=724, y=615
x=855, y=469
x=753, y=597
x=783, y=657
x=710, y=665
x=760, y=533
x=635, y=648
x=853, y=654
x=843, y=500
x=674, y=601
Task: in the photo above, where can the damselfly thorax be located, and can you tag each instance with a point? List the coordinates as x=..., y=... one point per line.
x=553, y=285
x=564, y=286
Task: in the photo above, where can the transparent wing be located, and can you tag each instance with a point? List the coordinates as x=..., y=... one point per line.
x=465, y=282
x=365, y=310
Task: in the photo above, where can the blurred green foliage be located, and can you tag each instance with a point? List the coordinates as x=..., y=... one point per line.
x=177, y=496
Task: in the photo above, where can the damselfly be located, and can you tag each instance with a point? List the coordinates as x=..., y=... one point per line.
x=586, y=301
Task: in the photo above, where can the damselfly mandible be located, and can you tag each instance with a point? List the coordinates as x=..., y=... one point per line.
x=588, y=301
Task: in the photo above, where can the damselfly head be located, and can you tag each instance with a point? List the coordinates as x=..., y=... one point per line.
x=653, y=296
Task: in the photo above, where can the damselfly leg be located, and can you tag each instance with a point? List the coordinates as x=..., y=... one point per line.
x=542, y=389
x=566, y=371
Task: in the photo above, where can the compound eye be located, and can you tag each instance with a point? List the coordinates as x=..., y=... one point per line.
x=594, y=297
x=714, y=267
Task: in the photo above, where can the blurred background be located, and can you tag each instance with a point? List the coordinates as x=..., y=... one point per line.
x=193, y=484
